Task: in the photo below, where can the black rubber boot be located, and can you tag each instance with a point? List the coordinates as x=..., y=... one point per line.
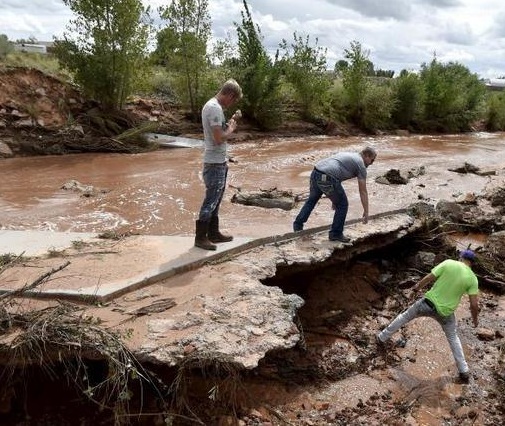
x=214, y=234
x=201, y=239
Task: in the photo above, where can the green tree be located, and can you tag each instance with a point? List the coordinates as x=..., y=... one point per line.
x=453, y=97
x=29, y=40
x=340, y=67
x=408, y=93
x=378, y=103
x=105, y=47
x=384, y=73
x=368, y=100
x=258, y=75
x=355, y=82
x=495, y=112
x=182, y=46
x=5, y=46
x=305, y=68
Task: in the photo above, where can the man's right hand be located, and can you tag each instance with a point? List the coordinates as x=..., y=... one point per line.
x=232, y=125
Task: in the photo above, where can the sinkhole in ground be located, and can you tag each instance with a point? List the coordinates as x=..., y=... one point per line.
x=346, y=303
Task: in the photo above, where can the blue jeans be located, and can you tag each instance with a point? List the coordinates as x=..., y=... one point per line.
x=321, y=183
x=422, y=309
x=214, y=177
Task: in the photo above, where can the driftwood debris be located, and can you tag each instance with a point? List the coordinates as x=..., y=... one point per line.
x=85, y=190
x=272, y=198
x=400, y=177
x=40, y=280
x=470, y=168
x=493, y=283
x=154, y=308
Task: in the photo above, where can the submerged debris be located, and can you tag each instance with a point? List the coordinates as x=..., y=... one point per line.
x=272, y=198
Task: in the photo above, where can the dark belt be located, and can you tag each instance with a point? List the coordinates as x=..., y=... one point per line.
x=430, y=303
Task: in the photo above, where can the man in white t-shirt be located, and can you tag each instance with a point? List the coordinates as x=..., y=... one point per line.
x=216, y=131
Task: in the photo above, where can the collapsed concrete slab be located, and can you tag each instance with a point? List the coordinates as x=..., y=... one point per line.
x=245, y=319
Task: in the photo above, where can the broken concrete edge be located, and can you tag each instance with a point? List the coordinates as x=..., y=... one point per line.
x=97, y=295
x=215, y=336
x=210, y=337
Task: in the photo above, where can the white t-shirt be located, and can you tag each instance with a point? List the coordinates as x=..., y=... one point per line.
x=213, y=115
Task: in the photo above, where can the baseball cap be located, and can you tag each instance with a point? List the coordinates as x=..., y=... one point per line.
x=467, y=254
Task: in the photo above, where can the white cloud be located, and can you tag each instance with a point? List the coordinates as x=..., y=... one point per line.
x=399, y=34
x=392, y=9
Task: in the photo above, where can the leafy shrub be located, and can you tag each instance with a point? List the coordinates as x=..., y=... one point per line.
x=378, y=103
x=409, y=95
x=5, y=46
x=495, y=112
x=453, y=97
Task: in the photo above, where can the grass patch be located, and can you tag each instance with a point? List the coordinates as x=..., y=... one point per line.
x=10, y=259
x=45, y=63
x=79, y=244
x=114, y=235
x=7, y=259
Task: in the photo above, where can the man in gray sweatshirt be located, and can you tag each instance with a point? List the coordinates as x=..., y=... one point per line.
x=327, y=178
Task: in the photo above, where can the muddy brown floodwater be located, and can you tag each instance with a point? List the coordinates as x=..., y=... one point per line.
x=160, y=192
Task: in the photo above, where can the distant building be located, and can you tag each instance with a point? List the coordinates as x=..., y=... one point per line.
x=496, y=84
x=30, y=48
x=42, y=47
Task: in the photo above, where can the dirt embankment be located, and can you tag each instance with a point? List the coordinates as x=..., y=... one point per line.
x=41, y=114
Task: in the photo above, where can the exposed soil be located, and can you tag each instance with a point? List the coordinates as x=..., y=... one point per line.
x=41, y=114
x=336, y=375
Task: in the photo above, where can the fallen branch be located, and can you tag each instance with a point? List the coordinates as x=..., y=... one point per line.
x=35, y=283
x=11, y=262
x=494, y=283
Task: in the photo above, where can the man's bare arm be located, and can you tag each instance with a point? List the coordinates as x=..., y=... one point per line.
x=474, y=309
x=426, y=280
x=363, y=195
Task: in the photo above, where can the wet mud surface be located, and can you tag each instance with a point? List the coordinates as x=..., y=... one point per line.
x=335, y=375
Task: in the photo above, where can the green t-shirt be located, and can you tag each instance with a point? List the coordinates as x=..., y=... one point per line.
x=454, y=279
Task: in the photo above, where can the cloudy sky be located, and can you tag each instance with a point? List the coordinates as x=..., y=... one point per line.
x=399, y=34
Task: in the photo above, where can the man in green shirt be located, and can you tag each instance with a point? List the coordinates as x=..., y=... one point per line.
x=452, y=279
